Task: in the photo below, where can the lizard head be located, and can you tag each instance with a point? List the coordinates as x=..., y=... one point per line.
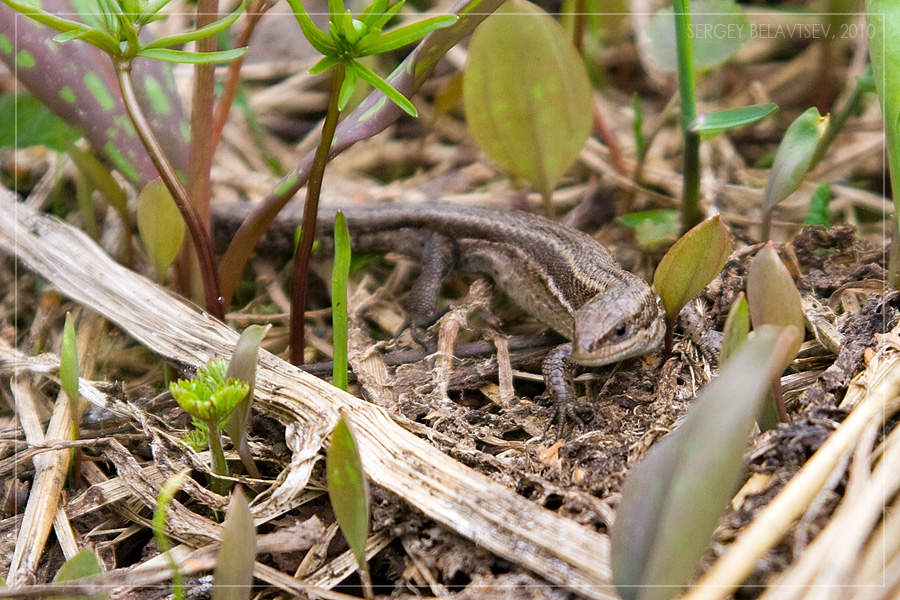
x=623, y=322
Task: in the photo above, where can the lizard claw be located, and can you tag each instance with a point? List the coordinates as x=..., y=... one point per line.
x=557, y=370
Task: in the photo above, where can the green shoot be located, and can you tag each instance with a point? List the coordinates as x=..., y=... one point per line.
x=233, y=576
x=347, y=40
x=792, y=161
x=166, y=495
x=339, y=309
x=349, y=495
x=818, y=206
x=69, y=372
x=242, y=366
x=672, y=499
x=210, y=399
x=773, y=299
x=737, y=328
x=884, y=16
x=116, y=34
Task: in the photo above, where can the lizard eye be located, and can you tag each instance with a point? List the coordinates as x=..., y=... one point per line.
x=621, y=330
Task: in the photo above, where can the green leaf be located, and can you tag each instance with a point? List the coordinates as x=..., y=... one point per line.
x=233, y=576
x=196, y=34
x=340, y=321
x=716, y=122
x=324, y=64
x=373, y=79
x=69, y=369
x=690, y=264
x=375, y=10
x=336, y=10
x=160, y=226
x=793, y=157
x=28, y=122
x=84, y=564
x=718, y=29
x=527, y=96
x=100, y=39
x=317, y=38
x=398, y=38
x=818, y=206
x=193, y=58
x=672, y=499
x=652, y=227
x=348, y=86
x=772, y=297
x=736, y=330
x=242, y=366
x=166, y=495
x=347, y=488
x=380, y=18
x=154, y=7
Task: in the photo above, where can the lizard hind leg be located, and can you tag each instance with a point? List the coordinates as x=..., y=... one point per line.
x=438, y=258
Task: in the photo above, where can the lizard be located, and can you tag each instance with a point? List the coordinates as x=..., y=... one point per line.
x=559, y=275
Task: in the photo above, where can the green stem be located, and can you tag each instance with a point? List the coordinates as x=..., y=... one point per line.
x=219, y=464
x=308, y=228
x=198, y=232
x=690, y=200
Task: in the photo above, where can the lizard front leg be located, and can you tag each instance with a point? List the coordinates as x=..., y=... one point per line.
x=557, y=369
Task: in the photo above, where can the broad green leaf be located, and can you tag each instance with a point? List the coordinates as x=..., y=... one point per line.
x=716, y=122
x=772, y=297
x=375, y=80
x=339, y=316
x=242, y=366
x=673, y=498
x=84, y=564
x=317, y=38
x=28, y=122
x=160, y=226
x=233, y=576
x=793, y=157
x=69, y=369
x=197, y=34
x=652, y=227
x=347, y=488
x=193, y=58
x=402, y=36
x=818, y=206
x=718, y=29
x=736, y=330
x=691, y=263
x=527, y=96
